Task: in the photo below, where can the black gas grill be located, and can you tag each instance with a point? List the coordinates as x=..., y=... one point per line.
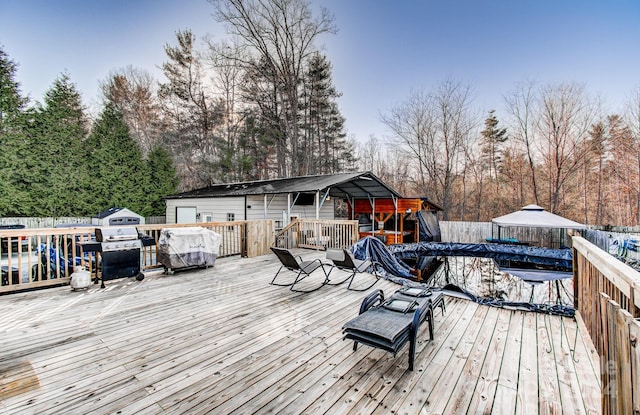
x=119, y=247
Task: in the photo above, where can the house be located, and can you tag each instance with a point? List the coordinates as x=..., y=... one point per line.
x=306, y=197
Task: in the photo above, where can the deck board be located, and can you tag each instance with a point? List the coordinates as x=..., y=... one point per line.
x=222, y=340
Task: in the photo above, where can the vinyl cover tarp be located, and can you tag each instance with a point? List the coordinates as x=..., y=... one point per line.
x=534, y=255
x=188, y=247
x=429, y=226
x=375, y=250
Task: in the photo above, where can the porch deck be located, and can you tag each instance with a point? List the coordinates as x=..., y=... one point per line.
x=224, y=341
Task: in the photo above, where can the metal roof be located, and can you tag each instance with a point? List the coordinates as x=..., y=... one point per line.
x=361, y=185
x=108, y=212
x=112, y=211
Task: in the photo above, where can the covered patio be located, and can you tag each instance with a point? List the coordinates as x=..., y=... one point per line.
x=222, y=340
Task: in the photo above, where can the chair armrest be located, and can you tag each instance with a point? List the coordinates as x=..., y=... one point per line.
x=420, y=314
x=376, y=296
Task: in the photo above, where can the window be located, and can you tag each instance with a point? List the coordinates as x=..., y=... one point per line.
x=231, y=217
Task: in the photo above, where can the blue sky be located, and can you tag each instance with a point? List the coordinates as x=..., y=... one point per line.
x=383, y=49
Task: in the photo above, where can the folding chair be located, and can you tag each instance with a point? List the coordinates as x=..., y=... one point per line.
x=296, y=264
x=343, y=260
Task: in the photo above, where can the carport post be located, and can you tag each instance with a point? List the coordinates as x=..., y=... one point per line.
x=265, y=206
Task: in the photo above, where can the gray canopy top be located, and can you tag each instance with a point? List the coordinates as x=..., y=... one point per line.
x=363, y=185
x=534, y=216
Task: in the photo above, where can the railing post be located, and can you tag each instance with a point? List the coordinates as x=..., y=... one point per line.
x=576, y=279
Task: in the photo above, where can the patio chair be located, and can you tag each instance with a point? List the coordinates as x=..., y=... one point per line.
x=343, y=260
x=296, y=264
x=386, y=327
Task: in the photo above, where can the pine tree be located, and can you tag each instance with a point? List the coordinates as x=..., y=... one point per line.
x=193, y=115
x=324, y=143
x=163, y=178
x=56, y=173
x=492, y=141
x=12, y=139
x=122, y=175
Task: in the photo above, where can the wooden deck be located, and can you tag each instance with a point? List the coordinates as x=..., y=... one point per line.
x=224, y=341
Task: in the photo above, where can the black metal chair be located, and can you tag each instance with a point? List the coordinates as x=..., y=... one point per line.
x=381, y=325
x=296, y=264
x=343, y=260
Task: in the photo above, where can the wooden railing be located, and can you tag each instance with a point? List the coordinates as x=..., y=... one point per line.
x=35, y=258
x=607, y=298
x=318, y=234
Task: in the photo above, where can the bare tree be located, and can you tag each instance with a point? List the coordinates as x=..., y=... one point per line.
x=280, y=35
x=520, y=104
x=369, y=153
x=517, y=178
x=227, y=79
x=133, y=92
x=409, y=123
x=565, y=115
x=633, y=147
x=551, y=124
x=435, y=129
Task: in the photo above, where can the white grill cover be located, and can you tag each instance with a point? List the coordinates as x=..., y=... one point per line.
x=188, y=247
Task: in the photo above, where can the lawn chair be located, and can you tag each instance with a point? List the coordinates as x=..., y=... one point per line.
x=343, y=260
x=385, y=327
x=296, y=264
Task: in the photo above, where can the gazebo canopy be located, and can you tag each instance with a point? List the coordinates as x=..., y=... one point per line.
x=534, y=216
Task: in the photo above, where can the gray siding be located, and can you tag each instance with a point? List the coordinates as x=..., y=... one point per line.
x=276, y=210
x=217, y=208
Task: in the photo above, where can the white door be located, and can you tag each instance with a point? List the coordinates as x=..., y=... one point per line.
x=185, y=214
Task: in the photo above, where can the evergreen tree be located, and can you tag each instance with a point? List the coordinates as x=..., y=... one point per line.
x=492, y=140
x=264, y=132
x=256, y=144
x=324, y=141
x=12, y=139
x=56, y=174
x=163, y=178
x=122, y=175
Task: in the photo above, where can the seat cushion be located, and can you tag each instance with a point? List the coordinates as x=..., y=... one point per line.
x=384, y=324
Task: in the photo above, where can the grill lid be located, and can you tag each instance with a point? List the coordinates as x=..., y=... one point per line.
x=116, y=233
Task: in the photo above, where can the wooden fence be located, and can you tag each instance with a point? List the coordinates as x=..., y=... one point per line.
x=35, y=258
x=607, y=298
x=318, y=234
x=51, y=222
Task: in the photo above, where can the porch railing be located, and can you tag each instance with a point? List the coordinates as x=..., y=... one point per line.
x=607, y=297
x=35, y=258
x=318, y=234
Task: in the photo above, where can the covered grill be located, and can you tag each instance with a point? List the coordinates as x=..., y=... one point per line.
x=120, y=251
x=188, y=247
